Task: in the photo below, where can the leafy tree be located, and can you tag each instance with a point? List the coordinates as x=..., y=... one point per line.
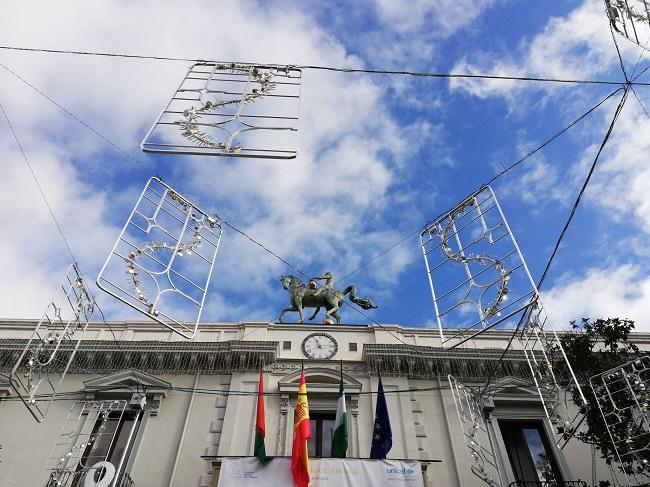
x=627, y=8
x=594, y=347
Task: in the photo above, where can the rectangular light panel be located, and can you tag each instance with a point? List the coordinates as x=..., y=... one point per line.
x=163, y=259
x=229, y=109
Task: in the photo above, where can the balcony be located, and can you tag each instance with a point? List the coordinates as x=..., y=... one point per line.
x=77, y=479
x=553, y=483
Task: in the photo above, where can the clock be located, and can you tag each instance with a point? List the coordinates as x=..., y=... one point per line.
x=319, y=346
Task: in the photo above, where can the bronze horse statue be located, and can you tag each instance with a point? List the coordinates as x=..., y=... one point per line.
x=301, y=297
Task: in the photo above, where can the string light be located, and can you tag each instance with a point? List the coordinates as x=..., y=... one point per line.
x=39, y=355
x=192, y=115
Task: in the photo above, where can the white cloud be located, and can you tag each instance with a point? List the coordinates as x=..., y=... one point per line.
x=34, y=258
x=441, y=17
x=578, y=46
x=622, y=292
x=622, y=183
x=304, y=209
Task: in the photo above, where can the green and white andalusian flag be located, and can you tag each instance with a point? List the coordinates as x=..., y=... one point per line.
x=340, y=436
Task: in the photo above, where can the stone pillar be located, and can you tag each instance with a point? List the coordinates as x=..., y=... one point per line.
x=282, y=426
x=354, y=425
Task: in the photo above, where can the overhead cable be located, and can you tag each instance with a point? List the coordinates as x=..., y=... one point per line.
x=610, y=128
x=421, y=74
x=490, y=181
x=38, y=184
x=93, y=130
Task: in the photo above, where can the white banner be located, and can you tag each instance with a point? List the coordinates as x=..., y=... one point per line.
x=325, y=472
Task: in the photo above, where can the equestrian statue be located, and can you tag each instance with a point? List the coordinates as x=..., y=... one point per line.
x=325, y=296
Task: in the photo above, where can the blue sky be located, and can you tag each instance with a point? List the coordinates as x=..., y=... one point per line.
x=379, y=155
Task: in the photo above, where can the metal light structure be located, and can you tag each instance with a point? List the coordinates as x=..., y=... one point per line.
x=476, y=433
x=163, y=259
x=479, y=281
x=231, y=109
x=37, y=375
x=623, y=397
x=476, y=271
x=82, y=450
x=553, y=375
x=631, y=19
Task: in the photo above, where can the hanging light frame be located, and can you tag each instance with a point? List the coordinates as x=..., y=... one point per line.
x=37, y=375
x=232, y=110
x=477, y=437
x=166, y=277
x=623, y=397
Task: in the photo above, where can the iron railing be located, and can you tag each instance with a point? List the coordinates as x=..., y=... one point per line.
x=77, y=479
x=551, y=483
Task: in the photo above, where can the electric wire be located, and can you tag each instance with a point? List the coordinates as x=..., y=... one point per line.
x=610, y=128
x=51, y=211
x=544, y=144
x=54, y=218
x=82, y=122
x=71, y=395
x=552, y=138
x=638, y=61
x=424, y=74
x=490, y=181
x=618, y=52
x=106, y=139
x=617, y=112
x=38, y=184
x=641, y=73
x=263, y=247
x=447, y=75
x=640, y=102
x=375, y=257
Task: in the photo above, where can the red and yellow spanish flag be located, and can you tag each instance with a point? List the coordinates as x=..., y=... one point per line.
x=301, y=435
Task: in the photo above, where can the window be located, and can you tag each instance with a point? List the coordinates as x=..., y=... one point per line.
x=286, y=345
x=353, y=347
x=322, y=428
x=529, y=452
x=114, y=440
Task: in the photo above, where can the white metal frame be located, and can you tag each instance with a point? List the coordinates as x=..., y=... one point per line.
x=475, y=260
x=226, y=109
x=553, y=375
x=623, y=397
x=196, y=235
x=71, y=459
x=476, y=225
x=39, y=371
x=477, y=437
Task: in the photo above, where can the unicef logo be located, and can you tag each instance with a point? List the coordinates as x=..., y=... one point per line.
x=405, y=471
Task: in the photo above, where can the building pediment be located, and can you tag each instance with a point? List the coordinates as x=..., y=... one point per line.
x=320, y=380
x=128, y=380
x=514, y=389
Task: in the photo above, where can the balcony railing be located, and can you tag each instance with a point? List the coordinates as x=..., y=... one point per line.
x=552, y=483
x=77, y=479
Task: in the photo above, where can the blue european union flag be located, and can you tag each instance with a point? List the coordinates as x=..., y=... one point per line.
x=382, y=436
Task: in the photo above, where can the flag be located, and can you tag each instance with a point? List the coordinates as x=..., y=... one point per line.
x=301, y=435
x=260, y=425
x=340, y=436
x=382, y=436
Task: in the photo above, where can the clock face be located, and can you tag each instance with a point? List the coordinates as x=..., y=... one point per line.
x=319, y=346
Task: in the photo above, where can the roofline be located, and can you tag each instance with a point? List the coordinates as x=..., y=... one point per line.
x=142, y=325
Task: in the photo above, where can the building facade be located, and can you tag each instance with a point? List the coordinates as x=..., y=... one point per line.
x=174, y=408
